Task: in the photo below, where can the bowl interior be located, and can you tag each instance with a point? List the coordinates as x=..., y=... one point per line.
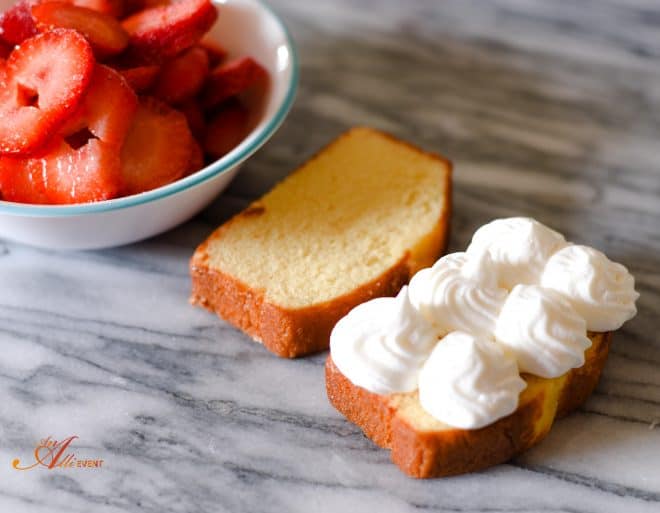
x=243, y=28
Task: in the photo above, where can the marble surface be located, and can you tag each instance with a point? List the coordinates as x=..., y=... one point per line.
x=549, y=109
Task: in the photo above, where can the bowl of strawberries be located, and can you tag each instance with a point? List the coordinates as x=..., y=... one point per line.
x=120, y=119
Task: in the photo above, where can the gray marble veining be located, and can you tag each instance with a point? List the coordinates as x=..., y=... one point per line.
x=549, y=109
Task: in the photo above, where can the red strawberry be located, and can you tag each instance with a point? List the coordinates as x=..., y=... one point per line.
x=62, y=175
x=46, y=78
x=16, y=23
x=103, y=32
x=80, y=163
x=133, y=6
x=231, y=79
x=5, y=50
x=114, y=8
x=226, y=130
x=164, y=31
x=216, y=54
x=157, y=148
x=106, y=111
x=195, y=117
x=140, y=78
x=182, y=77
x=196, y=161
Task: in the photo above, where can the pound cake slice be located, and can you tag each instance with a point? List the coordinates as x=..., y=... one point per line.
x=354, y=222
x=423, y=447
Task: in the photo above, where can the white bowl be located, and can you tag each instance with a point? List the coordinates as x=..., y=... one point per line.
x=244, y=27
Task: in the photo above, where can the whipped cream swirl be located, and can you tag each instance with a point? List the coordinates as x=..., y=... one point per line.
x=459, y=294
x=601, y=291
x=382, y=344
x=469, y=382
x=542, y=330
x=519, y=247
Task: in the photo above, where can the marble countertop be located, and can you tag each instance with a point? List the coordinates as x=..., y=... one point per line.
x=548, y=109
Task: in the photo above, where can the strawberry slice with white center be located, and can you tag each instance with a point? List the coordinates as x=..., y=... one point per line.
x=63, y=175
x=81, y=163
x=106, y=111
x=45, y=80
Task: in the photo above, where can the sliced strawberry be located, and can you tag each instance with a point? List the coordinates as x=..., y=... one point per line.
x=195, y=117
x=196, y=161
x=45, y=80
x=217, y=54
x=16, y=23
x=103, y=32
x=231, y=79
x=81, y=163
x=62, y=175
x=107, y=110
x=182, y=77
x=226, y=130
x=5, y=50
x=20, y=184
x=157, y=148
x=114, y=8
x=164, y=31
x=140, y=78
x=133, y=6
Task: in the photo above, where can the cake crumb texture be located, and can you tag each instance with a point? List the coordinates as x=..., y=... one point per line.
x=354, y=222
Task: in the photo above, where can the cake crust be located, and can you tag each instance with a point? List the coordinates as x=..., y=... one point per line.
x=446, y=451
x=294, y=332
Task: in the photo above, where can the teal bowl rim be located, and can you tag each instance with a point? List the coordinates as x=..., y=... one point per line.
x=218, y=167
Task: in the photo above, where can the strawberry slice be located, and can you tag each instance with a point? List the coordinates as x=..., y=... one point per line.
x=157, y=149
x=226, y=130
x=114, y=8
x=164, y=31
x=106, y=112
x=182, y=77
x=195, y=117
x=45, y=80
x=103, y=32
x=5, y=50
x=16, y=23
x=81, y=163
x=196, y=161
x=231, y=79
x=62, y=175
x=133, y=6
x=217, y=54
x=140, y=78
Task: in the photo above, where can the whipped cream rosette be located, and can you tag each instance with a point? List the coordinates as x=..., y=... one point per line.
x=468, y=381
x=459, y=294
x=519, y=248
x=519, y=299
x=601, y=291
x=382, y=344
x=547, y=337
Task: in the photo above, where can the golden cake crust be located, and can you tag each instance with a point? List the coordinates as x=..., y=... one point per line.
x=446, y=451
x=294, y=332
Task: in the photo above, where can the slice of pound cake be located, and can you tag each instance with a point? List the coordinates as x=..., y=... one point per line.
x=473, y=361
x=353, y=223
